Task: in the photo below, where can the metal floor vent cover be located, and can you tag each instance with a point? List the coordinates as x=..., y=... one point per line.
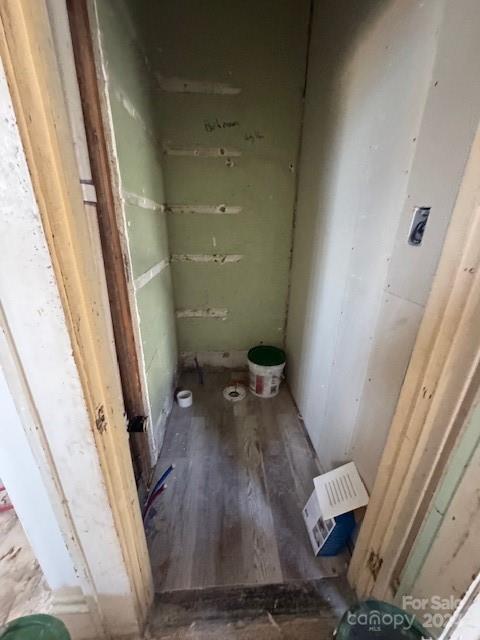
x=340, y=490
x=235, y=392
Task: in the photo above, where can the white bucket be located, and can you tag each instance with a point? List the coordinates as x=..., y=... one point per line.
x=265, y=380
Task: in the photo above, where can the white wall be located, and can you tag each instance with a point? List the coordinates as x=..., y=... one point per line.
x=391, y=108
x=23, y=480
x=465, y=623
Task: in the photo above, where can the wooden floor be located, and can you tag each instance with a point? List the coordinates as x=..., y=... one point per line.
x=299, y=610
x=231, y=514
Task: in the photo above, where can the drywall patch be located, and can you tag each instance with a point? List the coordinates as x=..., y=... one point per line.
x=216, y=209
x=182, y=85
x=208, y=312
x=199, y=151
x=141, y=201
x=145, y=278
x=131, y=110
x=214, y=359
x=217, y=258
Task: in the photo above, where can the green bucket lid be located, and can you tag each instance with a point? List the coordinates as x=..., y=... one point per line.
x=266, y=356
x=37, y=627
x=376, y=620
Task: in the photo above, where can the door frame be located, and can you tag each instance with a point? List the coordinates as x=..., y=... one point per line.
x=441, y=379
x=431, y=408
x=438, y=392
x=32, y=71
x=113, y=243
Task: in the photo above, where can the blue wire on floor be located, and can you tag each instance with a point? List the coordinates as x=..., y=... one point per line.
x=152, y=502
x=156, y=491
x=162, y=478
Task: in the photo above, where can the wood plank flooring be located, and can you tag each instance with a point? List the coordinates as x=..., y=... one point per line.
x=231, y=513
x=303, y=609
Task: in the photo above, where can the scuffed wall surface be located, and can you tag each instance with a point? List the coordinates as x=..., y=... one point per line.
x=133, y=109
x=445, y=557
x=453, y=560
x=369, y=77
x=229, y=79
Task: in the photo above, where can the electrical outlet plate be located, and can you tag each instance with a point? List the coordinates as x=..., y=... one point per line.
x=417, y=226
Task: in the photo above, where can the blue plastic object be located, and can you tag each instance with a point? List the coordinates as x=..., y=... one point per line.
x=338, y=536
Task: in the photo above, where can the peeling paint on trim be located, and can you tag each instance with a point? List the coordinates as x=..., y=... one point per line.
x=141, y=201
x=219, y=209
x=182, y=85
x=218, y=258
x=208, y=312
x=89, y=193
x=197, y=151
x=145, y=278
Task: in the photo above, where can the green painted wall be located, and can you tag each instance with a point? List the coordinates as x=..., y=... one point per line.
x=132, y=104
x=228, y=101
x=206, y=104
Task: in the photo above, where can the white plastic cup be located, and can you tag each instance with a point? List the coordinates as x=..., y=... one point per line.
x=185, y=399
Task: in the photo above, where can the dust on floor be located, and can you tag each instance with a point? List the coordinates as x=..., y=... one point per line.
x=266, y=628
x=232, y=511
x=301, y=610
x=23, y=588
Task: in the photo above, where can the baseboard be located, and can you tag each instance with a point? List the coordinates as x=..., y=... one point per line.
x=71, y=607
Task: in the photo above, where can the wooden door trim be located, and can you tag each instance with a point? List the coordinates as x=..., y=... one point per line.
x=31, y=67
x=438, y=391
x=114, y=254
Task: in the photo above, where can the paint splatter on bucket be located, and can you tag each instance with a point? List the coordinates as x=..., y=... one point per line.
x=266, y=365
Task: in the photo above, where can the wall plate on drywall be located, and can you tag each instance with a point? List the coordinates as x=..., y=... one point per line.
x=417, y=227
